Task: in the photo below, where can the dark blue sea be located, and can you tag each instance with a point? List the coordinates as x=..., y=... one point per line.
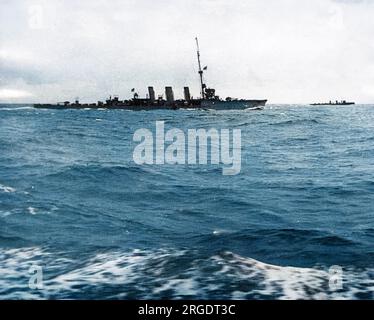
x=73, y=202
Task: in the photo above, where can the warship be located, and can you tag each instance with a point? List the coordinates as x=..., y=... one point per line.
x=207, y=100
x=336, y=103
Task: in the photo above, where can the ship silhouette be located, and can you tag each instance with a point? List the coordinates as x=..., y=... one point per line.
x=207, y=100
x=336, y=103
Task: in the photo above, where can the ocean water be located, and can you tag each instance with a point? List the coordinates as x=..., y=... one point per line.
x=73, y=202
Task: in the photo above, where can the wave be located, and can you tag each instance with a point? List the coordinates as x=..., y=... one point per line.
x=172, y=274
x=7, y=189
x=296, y=122
x=96, y=172
x=16, y=108
x=4, y=214
x=32, y=210
x=301, y=237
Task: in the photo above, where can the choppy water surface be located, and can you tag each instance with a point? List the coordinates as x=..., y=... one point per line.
x=73, y=201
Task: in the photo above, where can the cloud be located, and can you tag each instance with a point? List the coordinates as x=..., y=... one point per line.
x=12, y=94
x=286, y=51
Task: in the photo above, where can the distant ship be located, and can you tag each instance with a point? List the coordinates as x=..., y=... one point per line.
x=336, y=103
x=207, y=100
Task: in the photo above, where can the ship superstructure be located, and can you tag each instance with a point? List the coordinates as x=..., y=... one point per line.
x=336, y=103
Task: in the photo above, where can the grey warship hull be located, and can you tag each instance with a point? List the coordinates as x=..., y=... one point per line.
x=198, y=104
x=234, y=105
x=334, y=104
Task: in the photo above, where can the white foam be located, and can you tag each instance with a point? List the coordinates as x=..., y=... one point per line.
x=137, y=269
x=32, y=210
x=4, y=214
x=220, y=232
x=7, y=189
x=17, y=108
x=172, y=274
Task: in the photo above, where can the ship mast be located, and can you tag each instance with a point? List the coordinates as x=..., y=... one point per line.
x=200, y=70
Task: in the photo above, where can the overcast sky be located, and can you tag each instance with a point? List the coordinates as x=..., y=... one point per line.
x=288, y=51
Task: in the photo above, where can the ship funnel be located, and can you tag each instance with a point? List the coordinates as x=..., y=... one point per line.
x=151, y=93
x=187, y=95
x=169, y=94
